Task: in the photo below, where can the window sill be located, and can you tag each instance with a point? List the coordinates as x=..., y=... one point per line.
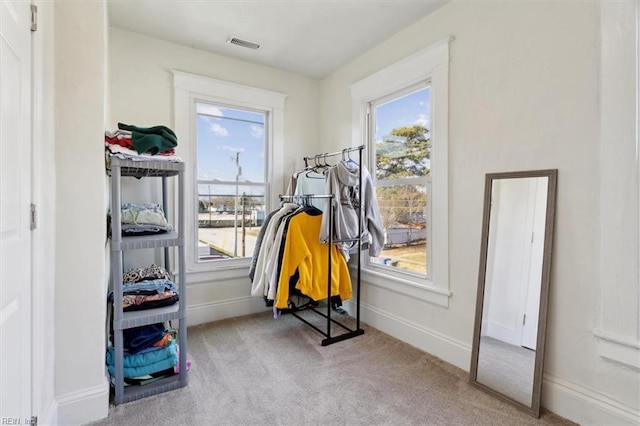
x=618, y=349
x=206, y=274
x=424, y=292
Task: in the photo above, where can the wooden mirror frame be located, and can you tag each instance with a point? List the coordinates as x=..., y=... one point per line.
x=552, y=176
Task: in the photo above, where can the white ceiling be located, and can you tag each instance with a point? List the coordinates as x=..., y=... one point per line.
x=309, y=37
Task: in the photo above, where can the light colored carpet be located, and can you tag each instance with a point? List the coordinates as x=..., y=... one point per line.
x=257, y=370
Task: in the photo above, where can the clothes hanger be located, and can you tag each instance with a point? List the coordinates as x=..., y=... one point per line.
x=309, y=208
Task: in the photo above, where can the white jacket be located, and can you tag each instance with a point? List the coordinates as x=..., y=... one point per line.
x=342, y=183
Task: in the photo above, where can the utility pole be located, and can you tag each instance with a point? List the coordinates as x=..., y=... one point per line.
x=235, y=206
x=244, y=231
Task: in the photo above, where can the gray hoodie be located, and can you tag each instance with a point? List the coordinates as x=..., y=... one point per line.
x=342, y=182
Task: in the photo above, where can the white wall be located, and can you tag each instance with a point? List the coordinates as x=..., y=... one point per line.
x=81, y=389
x=142, y=94
x=524, y=94
x=142, y=87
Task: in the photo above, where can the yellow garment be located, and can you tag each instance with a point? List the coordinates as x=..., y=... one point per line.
x=304, y=251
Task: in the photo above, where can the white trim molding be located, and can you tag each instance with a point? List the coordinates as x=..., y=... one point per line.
x=422, y=292
x=583, y=405
x=191, y=88
x=433, y=342
x=84, y=406
x=618, y=349
x=429, y=64
x=50, y=415
x=618, y=328
x=221, y=309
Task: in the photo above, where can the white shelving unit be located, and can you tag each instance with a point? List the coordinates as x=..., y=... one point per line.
x=119, y=244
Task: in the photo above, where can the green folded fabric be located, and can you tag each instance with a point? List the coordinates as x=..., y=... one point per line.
x=151, y=140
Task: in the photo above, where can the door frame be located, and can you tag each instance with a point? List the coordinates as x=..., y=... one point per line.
x=43, y=402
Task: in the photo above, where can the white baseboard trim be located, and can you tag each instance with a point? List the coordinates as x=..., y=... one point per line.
x=222, y=309
x=84, y=406
x=561, y=397
x=584, y=406
x=50, y=416
x=430, y=341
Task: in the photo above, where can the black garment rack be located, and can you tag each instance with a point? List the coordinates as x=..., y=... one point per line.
x=350, y=333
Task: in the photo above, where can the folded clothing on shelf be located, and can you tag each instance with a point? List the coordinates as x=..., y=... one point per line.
x=142, y=219
x=153, y=272
x=148, y=288
x=151, y=139
x=140, y=364
x=143, y=214
x=137, y=339
x=138, y=302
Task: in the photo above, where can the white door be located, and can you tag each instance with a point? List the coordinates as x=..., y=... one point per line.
x=15, y=205
x=532, y=306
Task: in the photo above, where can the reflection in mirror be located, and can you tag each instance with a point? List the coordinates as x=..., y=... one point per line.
x=509, y=334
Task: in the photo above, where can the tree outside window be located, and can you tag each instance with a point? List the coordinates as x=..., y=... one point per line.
x=402, y=172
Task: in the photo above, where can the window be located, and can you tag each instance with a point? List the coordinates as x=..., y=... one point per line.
x=231, y=137
x=231, y=180
x=401, y=115
x=400, y=148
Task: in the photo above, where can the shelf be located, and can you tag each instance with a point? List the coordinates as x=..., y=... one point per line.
x=156, y=167
x=133, y=392
x=170, y=239
x=149, y=316
x=140, y=169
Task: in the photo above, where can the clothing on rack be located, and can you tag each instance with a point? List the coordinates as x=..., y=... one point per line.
x=343, y=183
x=311, y=182
x=295, y=269
x=258, y=246
x=258, y=284
x=304, y=254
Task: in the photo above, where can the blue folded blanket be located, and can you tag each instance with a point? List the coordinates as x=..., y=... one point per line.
x=136, y=365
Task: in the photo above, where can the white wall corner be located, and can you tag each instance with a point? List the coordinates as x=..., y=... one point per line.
x=583, y=405
x=84, y=406
x=50, y=415
x=221, y=309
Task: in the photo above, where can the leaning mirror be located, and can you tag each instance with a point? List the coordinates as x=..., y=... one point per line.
x=513, y=286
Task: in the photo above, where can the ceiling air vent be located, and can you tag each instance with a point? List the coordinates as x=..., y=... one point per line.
x=243, y=43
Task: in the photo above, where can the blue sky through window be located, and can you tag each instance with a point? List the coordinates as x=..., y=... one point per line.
x=408, y=110
x=223, y=133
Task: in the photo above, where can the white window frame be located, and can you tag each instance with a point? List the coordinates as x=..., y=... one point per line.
x=190, y=89
x=416, y=180
x=429, y=64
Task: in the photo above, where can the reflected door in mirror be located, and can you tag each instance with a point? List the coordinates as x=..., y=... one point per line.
x=511, y=285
